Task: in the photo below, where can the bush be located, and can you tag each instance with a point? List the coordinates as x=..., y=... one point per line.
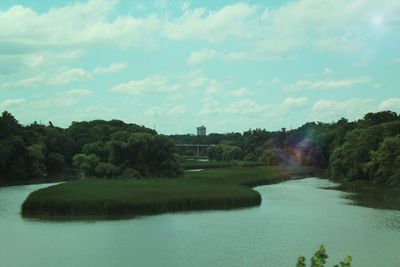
x=319, y=259
x=270, y=157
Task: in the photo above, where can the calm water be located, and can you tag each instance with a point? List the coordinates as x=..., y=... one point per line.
x=295, y=218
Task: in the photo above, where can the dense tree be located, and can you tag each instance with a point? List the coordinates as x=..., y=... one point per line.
x=345, y=149
x=98, y=148
x=363, y=149
x=349, y=160
x=271, y=157
x=225, y=152
x=379, y=117
x=9, y=125
x=134, y=154
x=385, y=162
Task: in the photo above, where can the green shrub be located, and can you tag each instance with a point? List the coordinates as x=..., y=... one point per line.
x=319, y=259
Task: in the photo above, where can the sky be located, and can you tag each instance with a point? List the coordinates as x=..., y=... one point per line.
x=175, y=65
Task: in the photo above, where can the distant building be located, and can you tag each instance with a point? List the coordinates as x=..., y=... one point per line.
x=201, y=130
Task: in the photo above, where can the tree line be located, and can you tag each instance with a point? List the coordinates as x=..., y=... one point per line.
x=96, y=148
x=366, y=149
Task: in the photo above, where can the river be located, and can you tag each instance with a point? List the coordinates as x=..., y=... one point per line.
x=295, y=218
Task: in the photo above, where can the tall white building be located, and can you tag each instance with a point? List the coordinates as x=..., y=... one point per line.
x=201, y=130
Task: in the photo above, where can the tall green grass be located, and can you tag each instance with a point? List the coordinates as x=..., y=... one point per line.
x=223, y=188
x=196, y=164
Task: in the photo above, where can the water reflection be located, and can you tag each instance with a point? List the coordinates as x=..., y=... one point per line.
x=372, y=195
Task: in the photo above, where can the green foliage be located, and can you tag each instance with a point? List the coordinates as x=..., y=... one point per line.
x=385, y=162
x=215, y=153
x=346, y=150
x=222, y=188
x=36, y=159
x=356, y=159
x=319, y=259
x=231, y=152
x=97, y=148
x=86, y=163
x=140, y=154
x=107, y=170
x=301, y=261
x=270, y=157
x=379, y=117
x=224, y=152
x=345, y=263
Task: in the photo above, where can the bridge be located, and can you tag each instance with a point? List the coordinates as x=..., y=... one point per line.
x=199, y=149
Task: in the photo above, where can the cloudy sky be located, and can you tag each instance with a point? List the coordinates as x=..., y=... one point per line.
x=227, y=65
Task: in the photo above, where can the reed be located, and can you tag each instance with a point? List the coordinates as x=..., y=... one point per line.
x=213, y=189
x=195, y=164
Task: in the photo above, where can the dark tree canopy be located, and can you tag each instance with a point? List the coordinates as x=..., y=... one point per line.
x=101, y=148
x=364, y=149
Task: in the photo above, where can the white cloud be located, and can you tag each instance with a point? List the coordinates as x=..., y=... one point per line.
x=160, y=3
x=245, y=106
x=290, y=101
x=212, y=26
x=32, y=82
x=326, y=84
x=67, y=75
x=76, y=93
x=82, y=24
x=265, y=33
x=307, y=23
x=325, y=109
x=154, y=112
x=240, y=92
x=327, y=71
x=273, y=81
x=202, y=56
x=158, y=111
x=242, y=107
x=65, y=99
x=55, y=77
x=198, y=81
x=274, y=32
x=214, y=88
x=391, y=103
x=324, y=104
x=35, y=61
x=211, y=107
x=115, y=67
x=177, y=111
x=11, y=103
x=151, y=85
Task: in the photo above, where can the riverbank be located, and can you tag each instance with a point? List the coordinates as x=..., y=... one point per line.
x=212, y=189
x=69, y=174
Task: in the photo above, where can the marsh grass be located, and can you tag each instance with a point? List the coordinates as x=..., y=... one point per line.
x=195, y=164
x=222, y=188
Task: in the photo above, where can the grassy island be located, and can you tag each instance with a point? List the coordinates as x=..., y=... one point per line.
x=212, y=189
